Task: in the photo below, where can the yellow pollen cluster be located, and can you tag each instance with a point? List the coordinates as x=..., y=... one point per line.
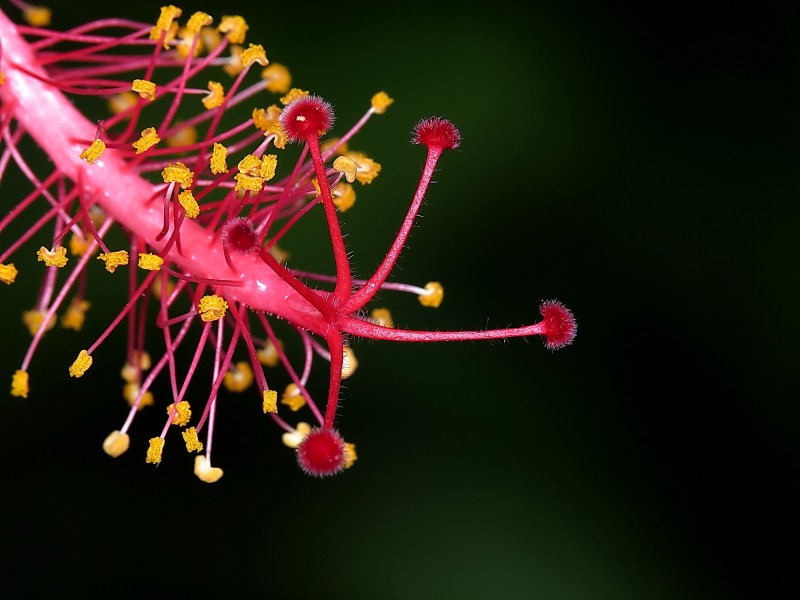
x=189, y=204
x=249, y=165
x=380, y=102
x=344, y=196
x=269, y=163
x=119, y=103
x=218, y=159
x=368, y=169
x=212, y=308
x=204, y=471
x=234, y=65
x=81, y=364
x=349, y=362
x=118, y=258
x=34, y=321
x=433, y=296
x=270, y=404
x=293, y=95
x=293, y=398
x=146, y=89
x=268, y=355
x=57, y=257
x=147, y=140
x=8, y=273
x=165, y=24
x=254, y=54
x=116, y=444
x=239, y=377
x=264, y=119
x=277, y=78
x=234, y=27
x=181, y=413
x=193, y=444
x=132, y=391
x=215, y=96
x=75, y=315
x=186, y=136
x=19, y=384
x=197, y=21
x=94, y=151
x=178, y=172
x=155, y=450
x=382, y=317
x=150, y=262
x=248, y=182
x=279, y=137
x=294, y=438
x=350, y=455
x=37, y=16
x=346, y=165
x=78, y=246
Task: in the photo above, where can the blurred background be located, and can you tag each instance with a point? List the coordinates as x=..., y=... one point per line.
x=638, y=164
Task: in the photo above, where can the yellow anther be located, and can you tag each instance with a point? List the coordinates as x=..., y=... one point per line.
x=94, y=151
x=292, y=95
x=380, y=102
x=234, y=65
x=75, y=315
x=368, y=169
x=248, y=182
x=344, y=196
x=119, y=103
x=2, y=79
x=210, y=38
x=279, y=254
x=346, y=165
x=279, y=136
x=131, y=373
x=349, y=362
x=239, y=377
x=34, y=321
x=294, y=438
x=328, y=145
x=249, y=165
x=181, y=413
x=116, y=443
x=277, y=78
x=150, y=262
x=264, y=119
x=57, y=257
x=218, y=159
x=155, y=450
x=81, y=364
x=197, y=21
x=118, y=258
x=268, y=355
x=78, y=246
x=132, y=391
x=382, y=317
x=165, y=23
x=178, y=172
x=315, y=183
x=158, y=289
x=270, y=403
x=186, y=40
x=212, y=308
x=433, y=296
x=147, y=140
x=189, y=204
x=234, y=27
x=293, y=398
x=350, y=456
x=269, y=162
x=204, y=471
x=190, y=437
x=8, y=273
x=19, y=384
x=186, y=136
x=146, y=89
x=38, y=16
x=215, y=96
x=254, y=54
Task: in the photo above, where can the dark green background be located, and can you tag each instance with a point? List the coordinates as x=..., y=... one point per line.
x=639, y=164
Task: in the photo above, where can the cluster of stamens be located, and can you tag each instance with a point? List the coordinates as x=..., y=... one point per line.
x=204, y=201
